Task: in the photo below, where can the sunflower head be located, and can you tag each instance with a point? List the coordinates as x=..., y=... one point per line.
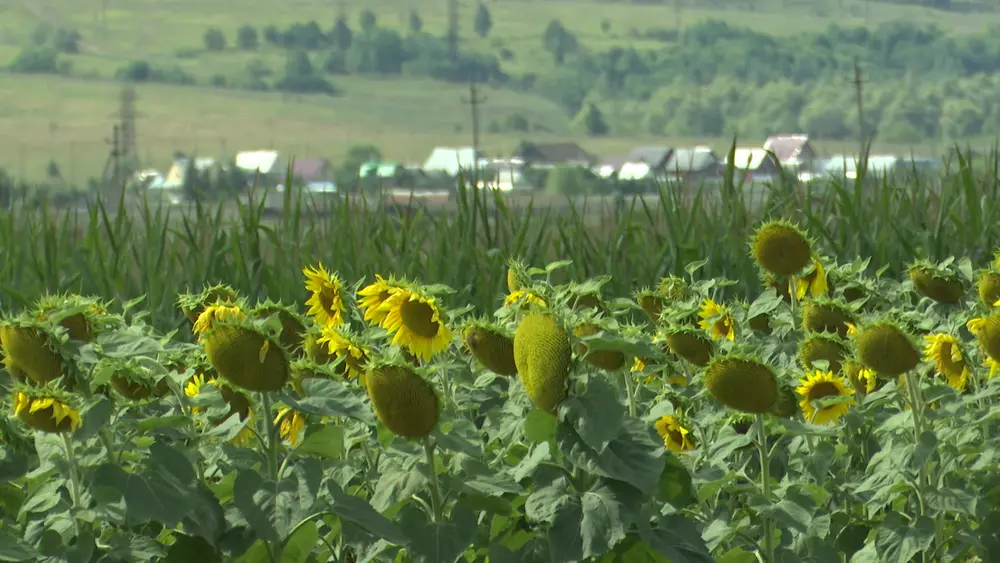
x=491, y=345
x=133, y=379
x=348, y=352
x=819, y=385
x=945, y=352
x=987, y=331
x=672, y=289
x=741, y=422
x=742, y=383
x=404, y=401
x=821, y=346
x=781, y=285
x=313, y=349
x=863, y=379
x=82, y=317
x=416, y=321
x=527, y=298
x=826, y=315
x=781, y=248
x=517, y=275
x=327, y=300
x=374, y=295
x=886, y=348
x=245, y=353
x=608, y=360
x=690, y=344
x=543, y=357
x=192, y=304
x=291, y=425
x=760, y=323
x=813, y=283
x=239, y=403
x=786, y=404
x=31, y=352
x=939, y=284
x=293, y=326
x=718, y=320
x=676, y=436
x=46, y=408
x=651, y=303
x=988, y=286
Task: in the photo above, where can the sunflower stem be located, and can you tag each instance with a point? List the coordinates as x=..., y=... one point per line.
x=276, y=548
x=436, y=507
x=765, y=482
x=74, y=479
x=630, y=389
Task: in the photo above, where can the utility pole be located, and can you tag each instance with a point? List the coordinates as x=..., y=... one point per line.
x=858, y=92
x=452, y=36
x=474, y=101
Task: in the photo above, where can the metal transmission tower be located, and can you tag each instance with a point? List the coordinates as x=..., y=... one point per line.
x=126, y=126
x=474, y=101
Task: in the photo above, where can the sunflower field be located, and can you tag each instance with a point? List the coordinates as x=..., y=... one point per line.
x=794, y=375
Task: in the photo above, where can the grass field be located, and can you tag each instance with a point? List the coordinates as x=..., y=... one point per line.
x=68, y=119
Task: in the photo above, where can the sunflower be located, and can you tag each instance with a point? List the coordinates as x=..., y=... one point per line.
x=212, y=313
x=372, y=296
x=780, y=248
x=46, y=412
x=292, y=425
x=813, y=282
x=524, y=297
x=326, y=304
x=992, y=364
x=852, y=330
x=820, y=385
x=975, y=325
x=345, y=348
x=237, y=401
x=717, y=319
x=415, y=321
x=946, y=353
x=676, y=437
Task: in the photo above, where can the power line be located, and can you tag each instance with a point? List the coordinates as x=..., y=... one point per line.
x=858, y=83
x=474, y=101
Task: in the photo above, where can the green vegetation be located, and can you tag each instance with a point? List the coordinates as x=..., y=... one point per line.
x=667, y=73
x=726, y=440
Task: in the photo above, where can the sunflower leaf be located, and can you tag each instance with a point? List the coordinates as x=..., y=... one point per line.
x=326, y=397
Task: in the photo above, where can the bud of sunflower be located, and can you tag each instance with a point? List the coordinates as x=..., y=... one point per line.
x=30, y=351
x=517, y=275
x=742, y=383
x=820, y=346
x=823, y=315
x=292, y=325
x=132, y=380
x=690, y=344
x=936, y=283
x=787, y=403
x=781, y=248
x=885, y=348
x=989, y=336
x=81, y=316
x=989, y=287
x=245, y=355
x=543, y=356
x=192, y=304
x=741, y=422
x=608, y=360
x=491, y=347
x=47, y=409
x=651, y=303
x=404, y=401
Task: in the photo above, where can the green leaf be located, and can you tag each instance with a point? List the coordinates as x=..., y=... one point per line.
x=328, y=397
x=396, y=486
x=898, y=540
x=597, y=415
x=639, y=551
x=301, y=544
x=357, y=510
x=438, y=542
x=253, y=498
x=539, y=426
x=191, y=548
x=608, y=510
x=923, y=450
x=951, y=501
x=544, y=502
x=257, y=553
x=538, y=453
x=148, y=424
x=737, y=555
x=764, y=304
x=94, y=418
x=636, y=456
x=325, y=442
x=227, y=429
x=676, y=486
x=676, y=538
x=13, y=549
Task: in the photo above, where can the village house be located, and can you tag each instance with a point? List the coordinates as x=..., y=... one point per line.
x=691, y=164
x=754, y=164
x=644, y=163
x=550, y=155
x=792, y=150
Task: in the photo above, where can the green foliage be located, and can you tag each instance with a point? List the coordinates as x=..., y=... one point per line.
x=37, y=60
x=214, y=40
x=246, y=38
x=483, y=22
